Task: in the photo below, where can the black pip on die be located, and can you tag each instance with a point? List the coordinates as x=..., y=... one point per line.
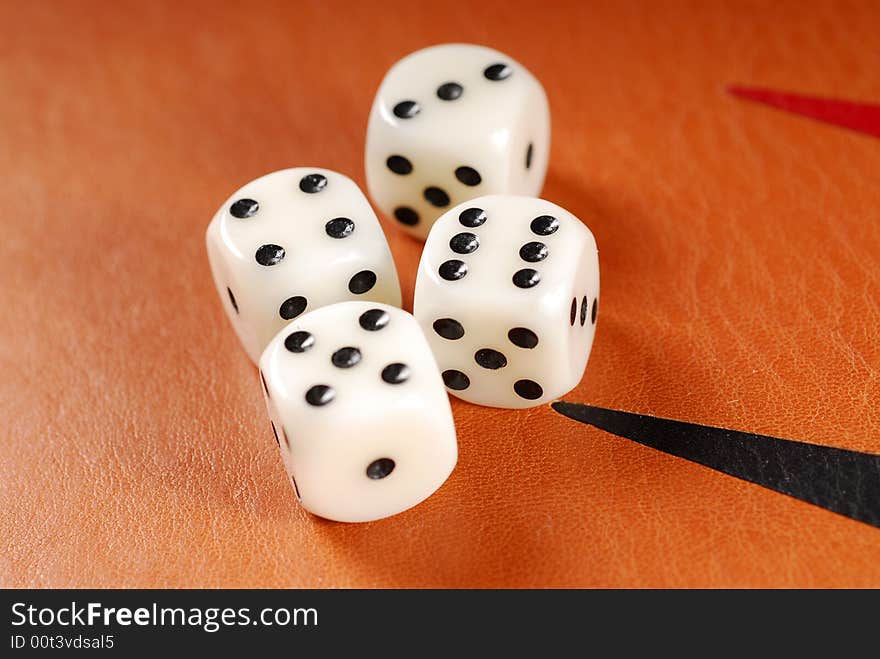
x=293, y=241
x=359, y=411
x=507, y=294
x=450, y=123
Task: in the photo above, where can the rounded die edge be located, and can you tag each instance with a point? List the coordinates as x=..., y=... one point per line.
x=483, y=57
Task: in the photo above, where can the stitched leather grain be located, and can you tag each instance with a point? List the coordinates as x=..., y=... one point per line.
x=740, y=256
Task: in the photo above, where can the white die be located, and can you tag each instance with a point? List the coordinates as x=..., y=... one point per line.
x=292, y=241
x=359, y=410
x=450, y=123
x=507, y=294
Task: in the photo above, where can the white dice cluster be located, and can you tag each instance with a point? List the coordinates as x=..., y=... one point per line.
x=505, y=300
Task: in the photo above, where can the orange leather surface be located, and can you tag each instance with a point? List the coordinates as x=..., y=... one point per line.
x=740, y=256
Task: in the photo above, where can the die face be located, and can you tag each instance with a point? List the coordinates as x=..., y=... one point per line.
x=429, y=148
x=581, y=324
x=293, y=241
x=498, y=318
x=363, y=418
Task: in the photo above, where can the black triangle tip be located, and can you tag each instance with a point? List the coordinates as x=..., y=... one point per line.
x=842, y=481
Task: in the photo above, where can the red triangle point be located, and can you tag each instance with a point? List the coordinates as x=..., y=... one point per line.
x=861, y=117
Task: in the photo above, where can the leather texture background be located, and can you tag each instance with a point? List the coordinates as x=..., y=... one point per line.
x=740, y=257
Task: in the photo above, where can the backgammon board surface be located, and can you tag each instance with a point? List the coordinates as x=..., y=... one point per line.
x=726, y=157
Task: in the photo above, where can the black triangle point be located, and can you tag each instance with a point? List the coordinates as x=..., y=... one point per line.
x=842, y=481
